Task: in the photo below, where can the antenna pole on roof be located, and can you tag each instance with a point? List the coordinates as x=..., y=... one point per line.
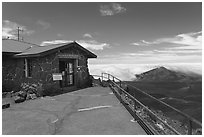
x=18, y=33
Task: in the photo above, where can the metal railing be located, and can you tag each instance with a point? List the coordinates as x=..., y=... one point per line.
x=132, y=104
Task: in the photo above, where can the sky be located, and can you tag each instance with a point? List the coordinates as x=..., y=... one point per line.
x=128, y=37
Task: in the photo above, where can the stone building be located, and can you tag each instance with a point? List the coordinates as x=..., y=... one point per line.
x=63, y=66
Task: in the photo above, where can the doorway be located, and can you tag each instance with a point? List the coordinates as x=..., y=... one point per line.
x=66, y=67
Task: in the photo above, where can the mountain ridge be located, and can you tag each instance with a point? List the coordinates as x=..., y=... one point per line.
x=162, y=74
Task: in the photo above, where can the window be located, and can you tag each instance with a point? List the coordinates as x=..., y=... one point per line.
x=28, y=68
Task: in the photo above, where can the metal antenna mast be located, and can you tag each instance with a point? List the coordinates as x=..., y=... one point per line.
x=18, y=33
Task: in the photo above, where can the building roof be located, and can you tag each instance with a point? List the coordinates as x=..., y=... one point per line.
x=40, y=50
x=25, y=49
x=15, y=46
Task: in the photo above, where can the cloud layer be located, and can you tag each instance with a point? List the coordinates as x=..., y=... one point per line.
x=128, y=71
x=181, y=52
x=111, y=9
x=192, y=40
x=9, y=29
x=151, y=57
x=186, y=47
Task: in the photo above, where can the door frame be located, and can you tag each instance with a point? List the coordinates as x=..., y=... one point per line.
x=64, y=69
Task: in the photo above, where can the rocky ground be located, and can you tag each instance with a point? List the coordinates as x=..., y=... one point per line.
x=27, y=92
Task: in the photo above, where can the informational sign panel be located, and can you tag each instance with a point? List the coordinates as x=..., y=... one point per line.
x=57, y=76
x=72, y=56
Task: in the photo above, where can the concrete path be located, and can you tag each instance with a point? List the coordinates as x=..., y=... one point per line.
x=91, y=111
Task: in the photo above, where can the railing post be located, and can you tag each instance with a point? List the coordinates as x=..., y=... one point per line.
x=134, y=106
x=108, y=76
x=120, y=83
x=120, y=96
x=101, y=76
x=135, y=119
x=189, y=127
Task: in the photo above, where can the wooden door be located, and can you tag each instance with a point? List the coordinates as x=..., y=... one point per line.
x=66, y=67
x=70, y=73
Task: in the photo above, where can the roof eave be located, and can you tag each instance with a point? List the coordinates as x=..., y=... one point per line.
x=92, y=56
x=27, y=56
x=9, y=53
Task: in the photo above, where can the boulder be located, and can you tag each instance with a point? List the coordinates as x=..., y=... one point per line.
x=22, y=94
x=28, y=96
x=5, y=106
x=34, y=85
x=18, y=99
x=30, y=91
x=31, y=96
x=9, y=94
x=4, y=94
x=12, y=93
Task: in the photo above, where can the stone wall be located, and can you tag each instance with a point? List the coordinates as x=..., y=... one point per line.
x=10, y=73
x=42, y=70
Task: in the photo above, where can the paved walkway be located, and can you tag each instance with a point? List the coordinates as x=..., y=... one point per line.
x=91, y=111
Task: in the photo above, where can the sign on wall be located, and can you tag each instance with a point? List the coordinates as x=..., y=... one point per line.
x=72, y=56
x=57, y=76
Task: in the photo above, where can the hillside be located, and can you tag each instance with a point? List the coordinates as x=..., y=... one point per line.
x=163, y=74
x=182, y=90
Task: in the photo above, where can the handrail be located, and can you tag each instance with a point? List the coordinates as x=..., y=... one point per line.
x=147, y=109
x=190, y=119
x=185, y=115
x=96, y=76
x=178, y=111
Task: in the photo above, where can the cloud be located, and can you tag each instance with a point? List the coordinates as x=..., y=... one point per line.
x=114, y=69
x=86, y=35
x=145, y=42
x=46, y=43
x=141, y=43
x=135, y=54
x=162, y=56
x=179, y=51
x=136, y=44
x=93, y=44
x=192, y=40
x=128, y=71
x=183, y=48
x=9, y=29
x=44, y=24
x=183, y=52
x=89, y=44
x=111, y=9
x=150, y=57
